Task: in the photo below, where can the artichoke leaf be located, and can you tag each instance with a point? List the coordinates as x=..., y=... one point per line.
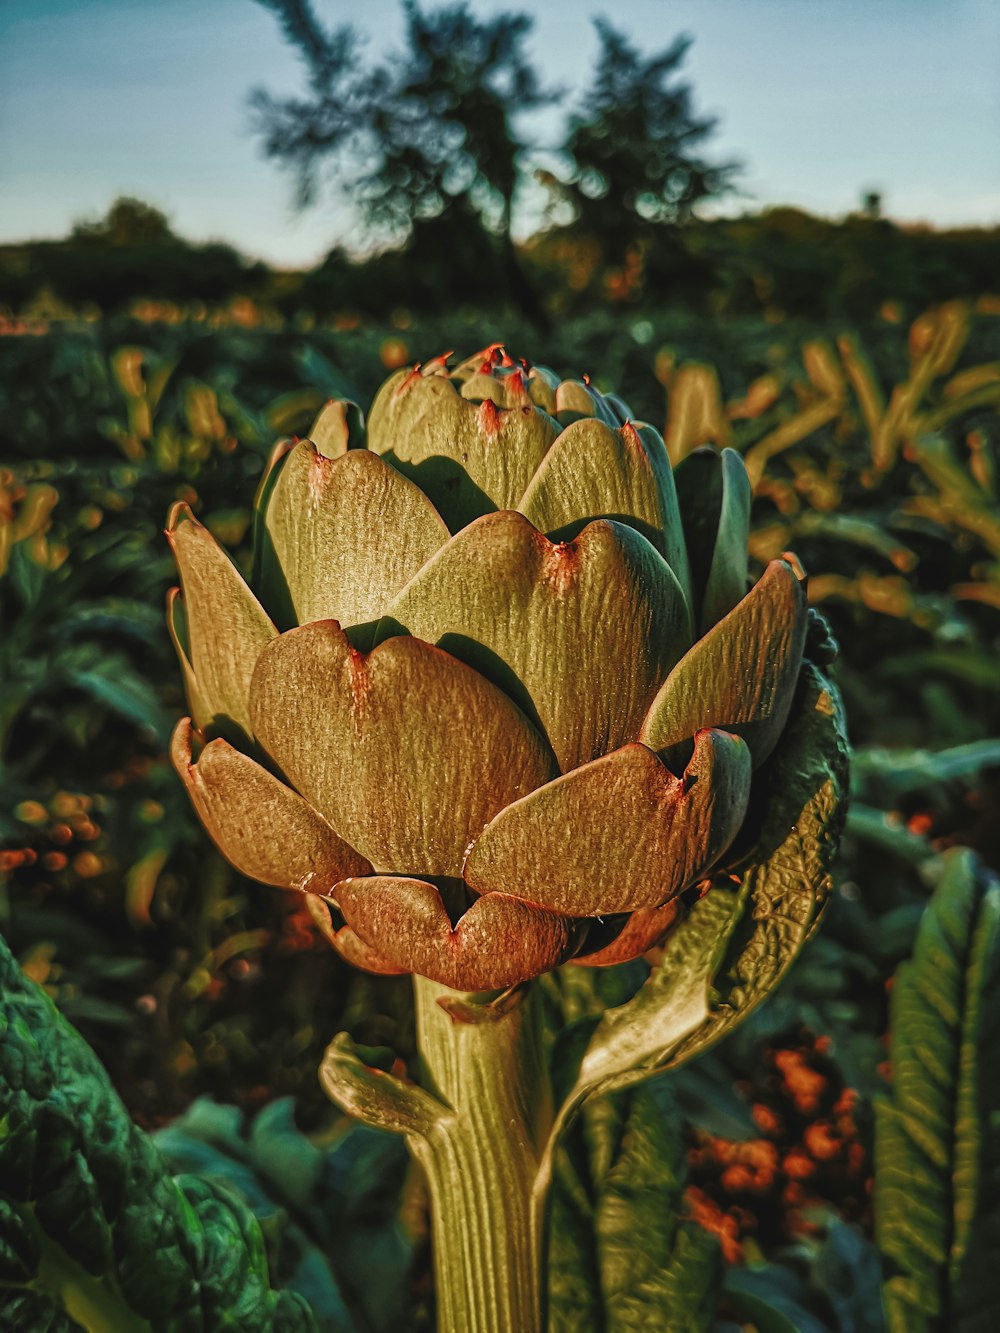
x=486, y=360
x=338, y=427
x=739, y=940
x=741, y=675
x=593, y=471
x=714, y=496
x=637, y=1038
x=179, y=637
x=577, y=399
x=350, y=946
x=580, y=634
x=500, y=941
x=542, y=386
x=788, y=882
x=508, y=388
x=341, y=536
x=469, y=458
x=406, y=751
x=627, y=937
x=619, y=834
x=260, y=826
x=226, y=625
x=262, y=498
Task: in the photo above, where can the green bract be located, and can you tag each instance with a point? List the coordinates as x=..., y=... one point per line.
x=500, y=688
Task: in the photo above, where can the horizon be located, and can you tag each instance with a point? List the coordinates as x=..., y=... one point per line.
x=905, y=227
x=837, y=104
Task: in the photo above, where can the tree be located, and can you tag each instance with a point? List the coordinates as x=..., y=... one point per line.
x=633, y=148
x=127, y=222
x=131, y=254
x=427, y=138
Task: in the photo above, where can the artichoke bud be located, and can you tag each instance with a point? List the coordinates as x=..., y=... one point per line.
x=499, y=689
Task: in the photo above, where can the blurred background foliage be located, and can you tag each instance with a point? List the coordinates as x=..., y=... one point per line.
x=856, y=366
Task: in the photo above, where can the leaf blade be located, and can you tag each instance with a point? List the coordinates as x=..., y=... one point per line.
x=937, y=1150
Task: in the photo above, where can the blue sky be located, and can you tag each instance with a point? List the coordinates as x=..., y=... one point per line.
x=820, y=99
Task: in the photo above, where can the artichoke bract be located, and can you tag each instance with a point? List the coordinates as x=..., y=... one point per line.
x=498, y=688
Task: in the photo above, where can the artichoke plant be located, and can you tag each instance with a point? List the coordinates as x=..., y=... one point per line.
x=500, y=696
x=498, y=690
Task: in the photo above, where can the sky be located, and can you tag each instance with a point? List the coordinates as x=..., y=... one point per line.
x=819, y=99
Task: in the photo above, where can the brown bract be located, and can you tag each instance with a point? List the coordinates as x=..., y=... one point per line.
x=501, y=940
x=488, y=733
x=664, y=832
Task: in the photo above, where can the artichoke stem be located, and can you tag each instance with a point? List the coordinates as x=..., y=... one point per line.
x=487, y=1064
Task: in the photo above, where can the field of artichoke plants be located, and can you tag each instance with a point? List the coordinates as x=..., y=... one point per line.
x=834, y=1164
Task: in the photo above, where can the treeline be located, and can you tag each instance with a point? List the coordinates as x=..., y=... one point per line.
x=132, y=254
x=780, y=262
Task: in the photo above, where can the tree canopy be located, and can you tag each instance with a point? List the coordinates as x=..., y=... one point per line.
x=634, y=144
x=412, y=137
x=434, y=138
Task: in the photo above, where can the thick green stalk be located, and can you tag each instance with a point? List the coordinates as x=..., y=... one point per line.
x=486, y=1064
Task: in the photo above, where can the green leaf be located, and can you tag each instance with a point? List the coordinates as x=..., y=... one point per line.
x=321, y=374
x=741, y=675
x=708, y=1100
x=713, y=493
x=847, y=1270
x=968, y=664
x=113, y=615
x=286, y=1159
x=20, y=1251
x=903, y=771
x=125, y=693
x=771, y=1299
x=857, y=530
x=876, y=826
x=328, y=1210
x=937, y=1151
x=116, y=1238
x=292, y=413
x=34, y=1312
x=622, y=1255
x=26, y=574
